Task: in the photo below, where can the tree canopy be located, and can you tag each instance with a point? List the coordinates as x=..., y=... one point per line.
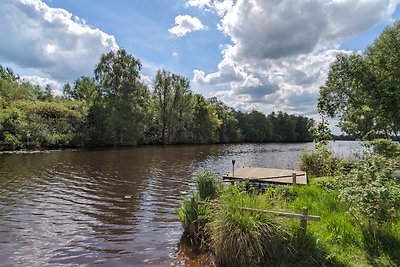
x=114, y=107
x=363, y=90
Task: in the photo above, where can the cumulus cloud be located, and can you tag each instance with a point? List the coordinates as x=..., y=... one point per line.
x=61, y=45
x=283, y=49
x=199, y=3
x=56, y=86
x=277, y=29
x=185, y=24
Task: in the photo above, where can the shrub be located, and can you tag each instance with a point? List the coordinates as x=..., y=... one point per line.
x=10, y=141
x=370, y=190
x=319, y=162
x=384, y=147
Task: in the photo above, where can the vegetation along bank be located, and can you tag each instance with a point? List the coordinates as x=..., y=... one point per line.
x=115, y=108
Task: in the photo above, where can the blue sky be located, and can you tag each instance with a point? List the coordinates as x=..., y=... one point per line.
x=252, y=54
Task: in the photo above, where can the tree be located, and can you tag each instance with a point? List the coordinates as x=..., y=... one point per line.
x=84, y=89
x=172, y=101
x=205, y=121
x=383, y=57
x=229, y=130
x=121, y=101
x=363, y=90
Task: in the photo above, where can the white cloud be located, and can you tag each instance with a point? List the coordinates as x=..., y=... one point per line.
x=199, y=3
x=280, y=51
x=56, y=86
x=185, y=24
x=51, y=40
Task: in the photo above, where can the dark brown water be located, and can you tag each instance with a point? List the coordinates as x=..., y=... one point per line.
x=113, y=207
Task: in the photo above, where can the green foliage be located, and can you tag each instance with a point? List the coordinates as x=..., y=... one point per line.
x=229, y=130
x=363, y=90
x=172, y=101
x=10, y=141
x=320, y=162
x=338, y=239
x=121, y=100
x=83, y=89
x=238, y=234
x=116, y=108
x=194, y=218
x=208, y=185
x=321, y=133
x=276, y=127
x=371, y=191
x=242, y=237
x=205, y=121
x=384, y=147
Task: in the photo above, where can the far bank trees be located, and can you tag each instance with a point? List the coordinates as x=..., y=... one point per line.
x=116, y=108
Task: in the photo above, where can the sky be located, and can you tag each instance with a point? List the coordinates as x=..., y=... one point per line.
x=267, y=55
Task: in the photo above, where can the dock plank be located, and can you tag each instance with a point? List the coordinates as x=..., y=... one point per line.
x=267, y=175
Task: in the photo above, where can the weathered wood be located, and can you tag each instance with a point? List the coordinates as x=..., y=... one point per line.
x=267, y=175
x=303, y=222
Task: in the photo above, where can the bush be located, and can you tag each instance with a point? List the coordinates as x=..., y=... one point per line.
x=370, y=190
x=10, y=142
x=384, y=147
x=319, y=162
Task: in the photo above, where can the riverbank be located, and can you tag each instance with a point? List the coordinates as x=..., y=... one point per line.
x=358, y=203
x=236, y=233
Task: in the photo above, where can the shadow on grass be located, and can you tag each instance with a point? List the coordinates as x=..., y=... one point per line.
x=308, y=251
x=382, y=244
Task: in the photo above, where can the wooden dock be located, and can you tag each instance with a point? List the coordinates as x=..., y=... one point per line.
x=267, y=175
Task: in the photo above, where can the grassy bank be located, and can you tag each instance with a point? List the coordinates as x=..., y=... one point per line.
x=359, y=207
x=339, y=236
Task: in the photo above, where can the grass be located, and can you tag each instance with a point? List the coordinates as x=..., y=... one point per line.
x=342, y=240
x=245, y=238
x=238, y=237
x=208, y=185
x=194, y=216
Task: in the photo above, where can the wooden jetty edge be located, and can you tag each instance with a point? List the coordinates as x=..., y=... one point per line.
x=267, y=175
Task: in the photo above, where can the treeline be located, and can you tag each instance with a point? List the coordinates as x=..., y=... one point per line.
x=115, y=108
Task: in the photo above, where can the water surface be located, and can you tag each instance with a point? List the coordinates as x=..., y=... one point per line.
x=113, y=207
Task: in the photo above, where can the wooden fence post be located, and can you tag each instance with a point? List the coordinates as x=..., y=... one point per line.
x=303, y=222
x=294, y=178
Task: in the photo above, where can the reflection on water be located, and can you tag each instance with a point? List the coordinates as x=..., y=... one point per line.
x=113, y=207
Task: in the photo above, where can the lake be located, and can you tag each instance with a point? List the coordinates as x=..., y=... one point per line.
x=114, y=207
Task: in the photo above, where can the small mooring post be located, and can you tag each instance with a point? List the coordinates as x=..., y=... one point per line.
x=294, y=178
x=303, y=222
x=233, y=167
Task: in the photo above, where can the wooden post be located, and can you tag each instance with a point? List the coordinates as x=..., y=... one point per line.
x=294, y=178
x=303, y=222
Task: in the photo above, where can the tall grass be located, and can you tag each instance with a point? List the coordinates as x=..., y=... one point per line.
x=208, y=185
x=194, y=218
x=242, y=237
x=193, y=215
